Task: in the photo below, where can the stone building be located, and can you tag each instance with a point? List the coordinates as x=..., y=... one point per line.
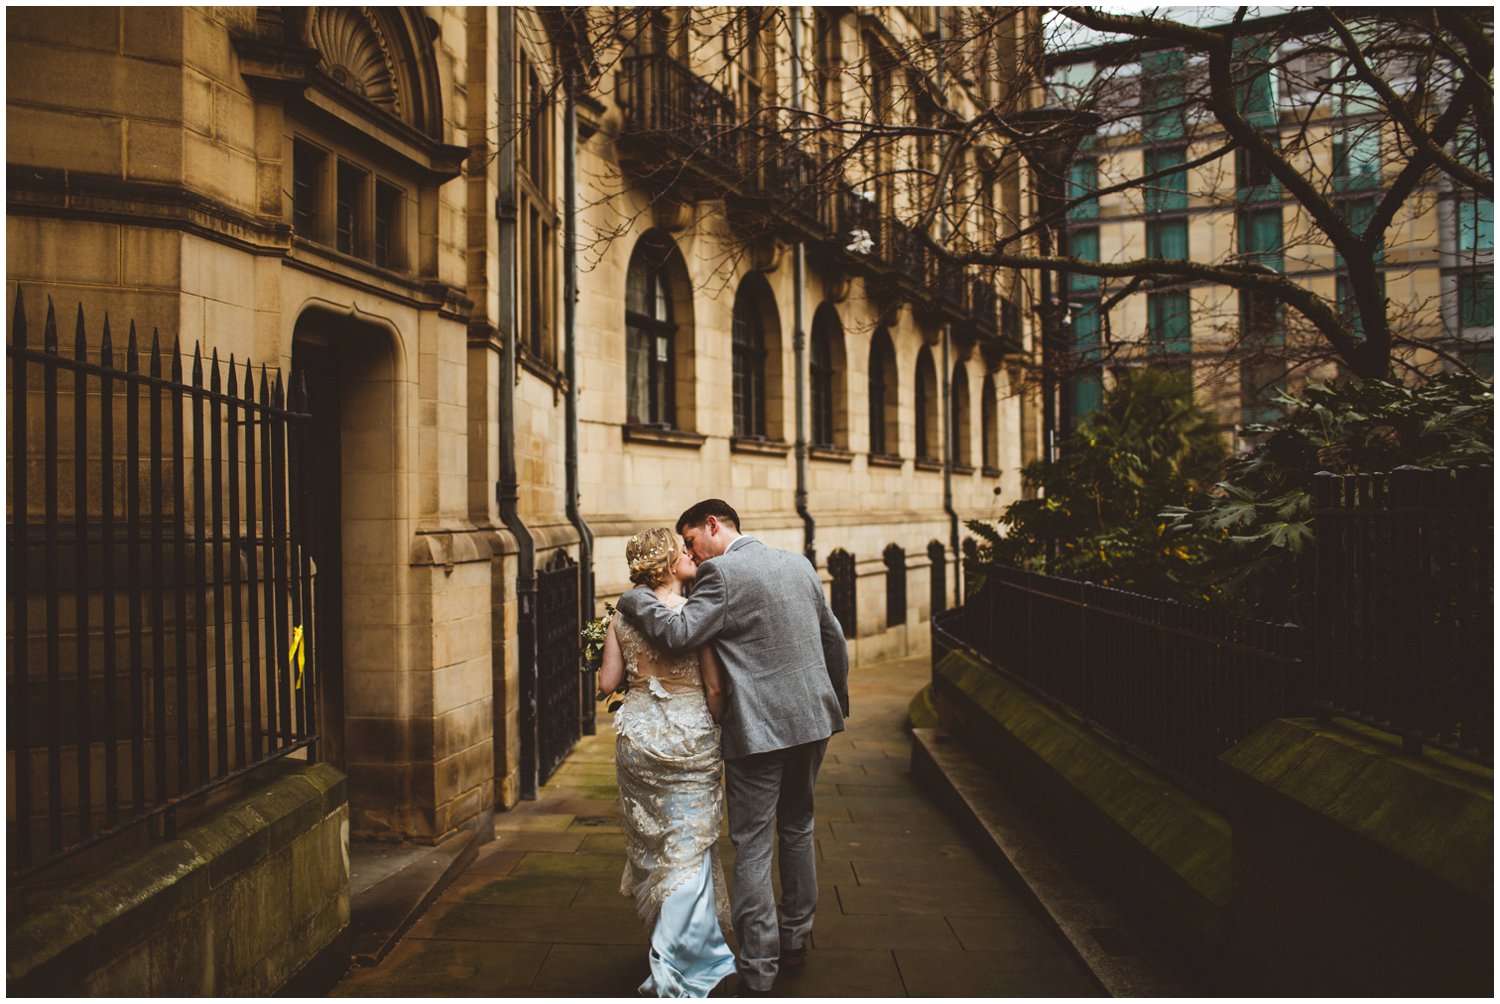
x=1437, y=262
x=527, y=313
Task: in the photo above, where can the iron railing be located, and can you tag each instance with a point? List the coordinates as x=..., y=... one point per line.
x=895, y=585
x=984, y=304
x=1405, y=605
x=841, y=568
x=157, y=584
x=665, y=100
x=1178, y=685
x=558, y=721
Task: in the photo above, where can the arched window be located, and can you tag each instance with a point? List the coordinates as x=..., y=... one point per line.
x=926, y=407
x=650, y=334
x=988, y=432
x=756, y=371
x=883, y=441
x=959, y=446
x=826, y=367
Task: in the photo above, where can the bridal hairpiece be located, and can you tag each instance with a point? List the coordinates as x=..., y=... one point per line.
x=650, y=552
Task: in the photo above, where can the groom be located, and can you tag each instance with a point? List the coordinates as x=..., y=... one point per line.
x=788, y=667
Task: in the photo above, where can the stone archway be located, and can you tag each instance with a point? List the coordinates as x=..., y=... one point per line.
x=349, y=366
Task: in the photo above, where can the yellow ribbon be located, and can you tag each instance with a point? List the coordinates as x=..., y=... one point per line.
x=299, y=654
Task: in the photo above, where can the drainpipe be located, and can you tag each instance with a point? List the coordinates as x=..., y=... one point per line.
x=570, y=369
x=949, y=451
x=799, y=334
x=508, y=490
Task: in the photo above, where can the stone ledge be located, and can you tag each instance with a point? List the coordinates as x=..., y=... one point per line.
x=660, y=436
x=1153, y=837
x=84, y=929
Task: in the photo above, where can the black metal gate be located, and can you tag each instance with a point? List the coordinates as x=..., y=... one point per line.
x=160, y=623
x=895, y=585
x=937, y=559
x=841, y=567
x=559, y=682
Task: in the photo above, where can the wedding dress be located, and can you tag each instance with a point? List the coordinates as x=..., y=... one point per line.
x=668, y=765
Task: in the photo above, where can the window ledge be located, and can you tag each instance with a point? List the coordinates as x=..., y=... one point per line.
x=830, y=453
x=923, y=464
x=990, y=472
x=657, y=435
x=758, y=445
x=963, y=468
x=886, y=460
x=540, y=368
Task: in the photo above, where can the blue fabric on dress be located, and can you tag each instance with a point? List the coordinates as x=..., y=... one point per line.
x=689, y=955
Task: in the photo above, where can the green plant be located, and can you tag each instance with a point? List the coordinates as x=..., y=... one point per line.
x=1097, y=515
x=1261, y=514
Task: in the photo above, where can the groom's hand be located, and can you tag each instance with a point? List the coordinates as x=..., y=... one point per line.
x=632, y=602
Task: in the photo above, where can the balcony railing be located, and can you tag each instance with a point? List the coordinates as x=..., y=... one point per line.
x=984, y=304
x=667, y=103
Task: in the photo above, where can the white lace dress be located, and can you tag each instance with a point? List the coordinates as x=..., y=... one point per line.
x=669, y=770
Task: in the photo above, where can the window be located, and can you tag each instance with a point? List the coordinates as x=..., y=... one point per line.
x=958, y=410
x=307, y=189
x=1262, y=373
x=1086, y=388
x=827, y=337
x=749, y=379
x=1162, y=96
x=1083, y=179
x=1167, y=239
x=1169, y=326
x=1255, y=83
x=1260, y=236
x=1083, y=244
x=1476, y=225
x=926, y=407
x=536, y=215
x=830, y=58
x=1168, y=192
x=882, y=394
x=1356, y=155
x=349, y=216
x=989, y=441
x=388, y=222
x=1253, y=179
x=649, y=335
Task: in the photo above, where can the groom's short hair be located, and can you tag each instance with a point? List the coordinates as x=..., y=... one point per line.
x=717, y=508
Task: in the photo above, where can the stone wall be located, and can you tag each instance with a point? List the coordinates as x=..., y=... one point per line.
x=237, y=905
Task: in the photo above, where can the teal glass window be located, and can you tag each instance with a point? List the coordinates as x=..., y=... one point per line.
x=1358, y=213
x=1476, y=299
x=1253, y=180
x=1169, y=323
x=1476, y=225
x=1167, y=239
x=1255, y=83
x=1356, y=155
x=1169, y=191
x=1086, y=387
x=1083, y=179
x=1163, y=93
x=1260, y=236
x=1083, y=245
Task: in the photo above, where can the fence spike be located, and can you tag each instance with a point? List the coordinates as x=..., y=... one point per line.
x=198, y=365
x=132, y=353
x=80, y=351
x=18, y=325
x=49, y=329
x=176, y=351
x=265, y=390
x=276, y=395
x=213, y=372
x=249, y=388
x=234, y=387
x=106, y=345
x=299, y=393
x=155, y=354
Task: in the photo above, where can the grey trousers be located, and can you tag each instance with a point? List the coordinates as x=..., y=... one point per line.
x=763, y=790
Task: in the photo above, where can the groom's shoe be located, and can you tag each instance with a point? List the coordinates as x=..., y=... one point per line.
x=794, y=959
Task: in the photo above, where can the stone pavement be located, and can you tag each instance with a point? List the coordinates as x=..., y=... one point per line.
x=909, y=905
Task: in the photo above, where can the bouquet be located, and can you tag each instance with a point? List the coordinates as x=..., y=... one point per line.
x=592, y=636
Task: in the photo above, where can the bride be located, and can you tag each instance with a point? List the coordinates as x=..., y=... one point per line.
x=669, y=769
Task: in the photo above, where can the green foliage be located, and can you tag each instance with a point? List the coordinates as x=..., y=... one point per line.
x=1148, y=447
x=1261, y=514
x=592, y=636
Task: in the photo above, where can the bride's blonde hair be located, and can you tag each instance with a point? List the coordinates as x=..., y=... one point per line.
x=651, y=555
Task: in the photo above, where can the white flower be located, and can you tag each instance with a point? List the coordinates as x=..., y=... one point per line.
x=860, y=242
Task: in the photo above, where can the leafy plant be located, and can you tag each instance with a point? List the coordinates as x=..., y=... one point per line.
x=1097, y=518
x=1262, y=513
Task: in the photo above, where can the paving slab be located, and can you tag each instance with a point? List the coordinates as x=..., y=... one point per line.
x=910, y=902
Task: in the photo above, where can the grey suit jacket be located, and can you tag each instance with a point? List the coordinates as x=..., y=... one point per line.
x=782, y=648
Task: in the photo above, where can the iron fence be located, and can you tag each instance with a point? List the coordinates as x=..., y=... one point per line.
x=841, y=567
x=1176, y=684
x=1405, y=604
x=559, y=699
x=159, y=596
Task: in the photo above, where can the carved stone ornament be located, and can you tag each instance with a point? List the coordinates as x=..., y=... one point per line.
x=356, y=54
